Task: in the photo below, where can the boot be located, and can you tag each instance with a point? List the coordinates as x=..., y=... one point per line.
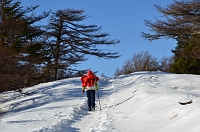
x=89, y=109
x=93, y=108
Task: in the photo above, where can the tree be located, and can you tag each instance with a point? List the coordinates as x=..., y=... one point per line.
x=70, y=41
x=128, y=68
x=142, y=61
x=185, y=65
x=165, y=63
x=118, y=72
x=22, y=32
x=18, y=43
x=181, y=22
x=8, y=70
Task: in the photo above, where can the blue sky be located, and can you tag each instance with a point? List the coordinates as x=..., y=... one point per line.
x=123, y=20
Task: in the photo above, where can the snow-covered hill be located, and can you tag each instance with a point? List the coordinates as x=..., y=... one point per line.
x=140, y=102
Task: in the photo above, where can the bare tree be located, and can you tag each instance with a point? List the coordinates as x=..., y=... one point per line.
x=118, y=72
x=142, y=61
x=128, y=68
x=166, y=63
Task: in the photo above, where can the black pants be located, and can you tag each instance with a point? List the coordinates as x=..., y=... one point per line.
x=91, y=98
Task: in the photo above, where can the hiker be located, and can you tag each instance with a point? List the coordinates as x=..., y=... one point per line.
x=90, y=85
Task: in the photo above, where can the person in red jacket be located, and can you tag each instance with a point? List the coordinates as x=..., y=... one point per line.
x=90, y=85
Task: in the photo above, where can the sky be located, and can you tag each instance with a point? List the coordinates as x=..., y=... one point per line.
x=140, y=102
x=123, y=20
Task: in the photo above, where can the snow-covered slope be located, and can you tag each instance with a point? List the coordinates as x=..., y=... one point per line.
x=140, y=102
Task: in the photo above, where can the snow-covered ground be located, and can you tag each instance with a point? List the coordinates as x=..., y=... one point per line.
x=140, y=102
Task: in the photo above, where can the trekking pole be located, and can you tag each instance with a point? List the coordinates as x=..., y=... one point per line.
x=96, y=84
x=99, y=99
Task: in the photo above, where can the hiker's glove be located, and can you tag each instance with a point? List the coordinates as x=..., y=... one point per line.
x=96, y=85
x=83, y=90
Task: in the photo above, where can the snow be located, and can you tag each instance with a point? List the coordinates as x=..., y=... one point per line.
x=140, y=102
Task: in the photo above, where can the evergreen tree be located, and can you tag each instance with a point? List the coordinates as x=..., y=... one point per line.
x=185, y=66
x=18, y=43
x=182, y=24
x=70, y=41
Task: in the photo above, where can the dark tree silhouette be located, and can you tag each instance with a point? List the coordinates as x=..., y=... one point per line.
x=70, y=41
x=180, y=21
x=17, y=36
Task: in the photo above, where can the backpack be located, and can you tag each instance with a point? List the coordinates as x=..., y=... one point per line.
x=88, y=81
x=83, y=80
x=91, y=80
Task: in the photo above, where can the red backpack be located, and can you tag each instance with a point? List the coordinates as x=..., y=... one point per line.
x=83, y=80
x=89, y=79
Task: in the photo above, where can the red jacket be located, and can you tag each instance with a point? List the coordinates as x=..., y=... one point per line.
x=89, y=79
x=83, y=80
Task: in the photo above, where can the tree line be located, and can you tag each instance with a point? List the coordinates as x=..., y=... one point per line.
x=179, y=21
x=31, y=53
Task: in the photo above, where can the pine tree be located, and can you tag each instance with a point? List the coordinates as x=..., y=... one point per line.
x=71, y=42
x=17, y=36
x=181, y=22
